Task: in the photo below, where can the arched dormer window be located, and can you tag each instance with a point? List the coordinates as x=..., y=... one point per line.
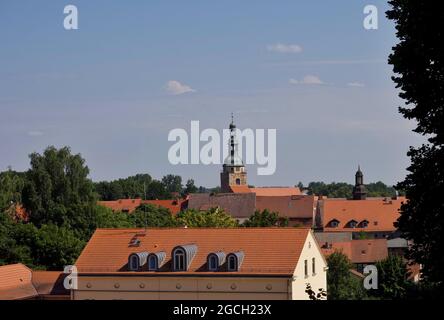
x=212, y=263
x=182, y=257
x=238, y=182
x=179, y=260
x=152, y=263
x=215, y=260
x=234, y=261
x=134, y=263
x=156, y=260
x=137, y=260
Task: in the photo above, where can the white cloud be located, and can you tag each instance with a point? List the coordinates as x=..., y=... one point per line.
x=175, y=88
x=308, y=79
x=285, y=48
x=356, y=84
x=35, y=133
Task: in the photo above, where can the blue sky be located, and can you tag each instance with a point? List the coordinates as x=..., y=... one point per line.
x=102, y=89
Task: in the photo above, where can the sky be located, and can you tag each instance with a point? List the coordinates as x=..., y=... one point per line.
x=134, y=70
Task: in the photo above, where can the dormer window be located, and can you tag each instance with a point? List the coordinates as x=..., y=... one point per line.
x=137, y=260
x=179, y=260
x=364, y=224
x=182, y=257
x=152, y=263
x=212, y=263
x=234, y=261
x=156, y=260
x=333, y=223
x=352, y=224
x=215, y=260
x=134, y=263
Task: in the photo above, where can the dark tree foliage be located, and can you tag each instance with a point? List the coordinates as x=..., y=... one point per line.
x=344, y=190
x=129, y=188
x=148, y=215
x=11, y=186
x=418, y=64
x=172, y=183
x=341, y=284
x=190, y=187
x=266, y=218
x=393, y=278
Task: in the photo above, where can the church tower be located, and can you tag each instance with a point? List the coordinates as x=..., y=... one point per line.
x=359, y=191
x=233, y=171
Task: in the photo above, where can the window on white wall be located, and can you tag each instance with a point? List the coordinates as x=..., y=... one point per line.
x=313, y=266
x=306, y=267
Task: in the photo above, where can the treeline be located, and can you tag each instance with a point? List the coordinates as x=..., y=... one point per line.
x=344, y=190
x=143, y=186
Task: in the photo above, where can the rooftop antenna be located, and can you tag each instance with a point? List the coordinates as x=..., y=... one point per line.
x=144, y=205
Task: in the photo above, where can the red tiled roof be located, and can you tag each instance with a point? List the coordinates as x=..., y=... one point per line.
x=240, y=189
x=360, y=251
x=301, y=206
x=276, y=191
x=15, y=282
x=381, y=213
x=19, y=282
x=130, y=205
x=238, y=205
x=269, y=251
x=49, y=282
x=175, y=206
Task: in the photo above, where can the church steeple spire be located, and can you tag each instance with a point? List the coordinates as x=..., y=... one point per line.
x=233, y=173
x=359, y=191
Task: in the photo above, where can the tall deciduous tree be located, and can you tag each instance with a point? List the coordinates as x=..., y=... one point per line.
x=418, y=64
x=56, y=182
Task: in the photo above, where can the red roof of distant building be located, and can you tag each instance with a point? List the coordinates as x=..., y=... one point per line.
x=268, y=191
x=359, y=251
x=240, y=189
x=373, y=214
x=130, y=205
x=300, y=206
x=18, y=282
x=276, y=191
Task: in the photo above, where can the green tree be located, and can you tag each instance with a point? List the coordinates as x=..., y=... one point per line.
x=56, y=181
x=393, y=278
x=266, y=218
x=340, y=282
x=11, y=186
x=172, y=183
x=418, y=65
x=152, y=216
x=190, y=187
x=56, y=247
x=213, y=218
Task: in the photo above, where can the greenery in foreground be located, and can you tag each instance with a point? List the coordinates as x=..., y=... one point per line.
x=418, y=64
x=393, y=280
